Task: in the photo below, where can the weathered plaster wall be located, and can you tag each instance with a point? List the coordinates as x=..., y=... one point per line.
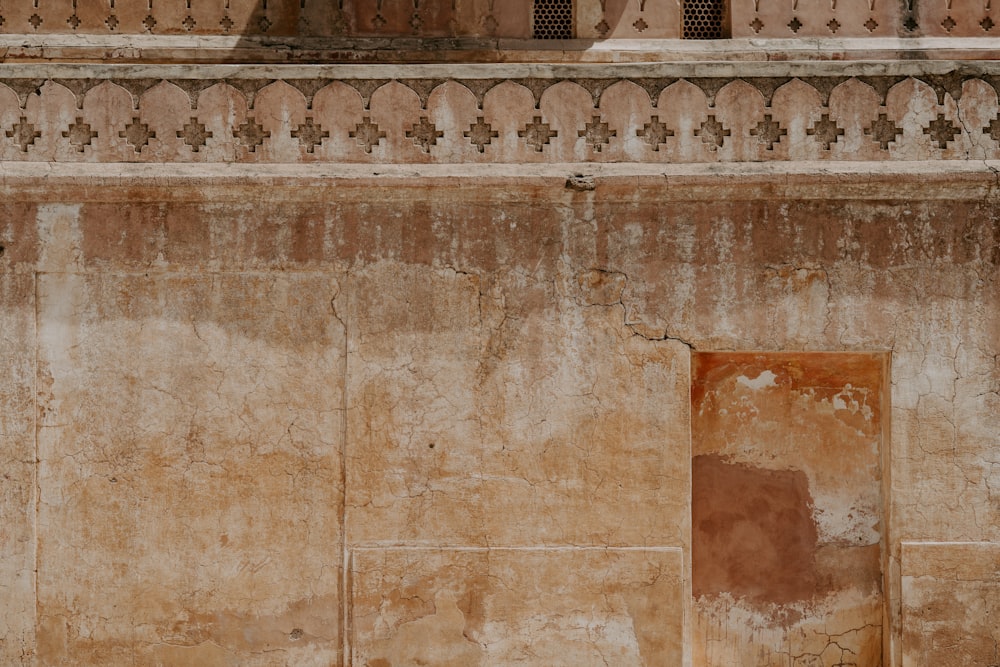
x=17, y=424
x=372, y=419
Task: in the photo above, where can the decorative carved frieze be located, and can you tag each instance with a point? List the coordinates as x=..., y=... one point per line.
x=950, y=115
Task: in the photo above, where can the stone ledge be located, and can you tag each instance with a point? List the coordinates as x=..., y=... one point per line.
x=957, y=68
x=899, y=181
x=413, y=51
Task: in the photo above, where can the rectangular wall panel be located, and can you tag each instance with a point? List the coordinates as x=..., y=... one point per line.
x=951, y=604
x=586, y=607
x=787, y=515
x=189, y=469
x=17, y=455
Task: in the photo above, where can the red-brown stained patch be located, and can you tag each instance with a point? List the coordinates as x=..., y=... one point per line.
x=753, y=535
x=786, y=501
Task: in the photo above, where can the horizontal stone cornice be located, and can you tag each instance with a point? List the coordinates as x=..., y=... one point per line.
x=491, y=184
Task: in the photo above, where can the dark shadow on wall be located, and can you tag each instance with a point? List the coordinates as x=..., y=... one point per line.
x=484, y=19
x=443, y=30
x=343, y=30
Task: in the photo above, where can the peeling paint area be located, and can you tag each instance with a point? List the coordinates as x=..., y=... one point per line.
x=786, y=510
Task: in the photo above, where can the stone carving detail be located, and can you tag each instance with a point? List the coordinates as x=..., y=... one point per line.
x=251, y=134
x=993, y=129
x=884, y=131
x=768, y=132
x=79, y=134
x=942, y=131
x=537, y=133
x=597, y=133
x=137, y=134
x=713, y=133
x=826, y=131
x=310, y=135
x=481, y=134
x=194, y=134
x=424, y=134
x=654, y=132
x=884, y=19
x=23, y=133
x=317, y=129
x=367, y=134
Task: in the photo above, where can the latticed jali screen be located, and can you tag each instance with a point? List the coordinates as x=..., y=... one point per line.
x=552, y=19
x=703, y=19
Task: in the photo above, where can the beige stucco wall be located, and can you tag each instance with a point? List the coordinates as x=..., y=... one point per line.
x=266, y=416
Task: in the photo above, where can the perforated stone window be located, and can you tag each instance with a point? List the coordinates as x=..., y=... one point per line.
x=553, y=19
x=704, y=19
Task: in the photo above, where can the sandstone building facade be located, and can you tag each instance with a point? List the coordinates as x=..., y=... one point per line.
x=465, y=332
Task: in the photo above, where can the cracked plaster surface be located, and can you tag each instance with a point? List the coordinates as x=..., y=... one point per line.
x=471, y=403
x=17, y=455
x=951, y=602
x=189, y=475
x=464, y=608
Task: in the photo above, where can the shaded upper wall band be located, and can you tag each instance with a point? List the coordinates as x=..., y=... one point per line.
x=497, y=19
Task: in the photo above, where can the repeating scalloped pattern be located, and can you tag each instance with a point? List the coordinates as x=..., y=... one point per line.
x=950, y=117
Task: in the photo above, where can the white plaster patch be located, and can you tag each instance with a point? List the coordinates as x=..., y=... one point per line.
x=762, y=381
x=849, y=400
